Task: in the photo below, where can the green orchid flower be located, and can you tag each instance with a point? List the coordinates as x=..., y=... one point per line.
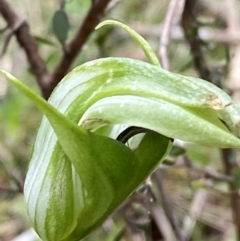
x=81, y=170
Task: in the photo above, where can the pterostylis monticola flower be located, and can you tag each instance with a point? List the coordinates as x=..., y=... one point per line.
x=81, y=170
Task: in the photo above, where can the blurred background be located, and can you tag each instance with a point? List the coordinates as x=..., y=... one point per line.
x=194, y=194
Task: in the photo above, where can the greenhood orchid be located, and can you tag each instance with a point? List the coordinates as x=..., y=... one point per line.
x=79, y=173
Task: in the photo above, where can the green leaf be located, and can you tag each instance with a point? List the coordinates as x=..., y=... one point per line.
x=236, y=177
x=44, y=41
x=60, y=25
x=177, y=151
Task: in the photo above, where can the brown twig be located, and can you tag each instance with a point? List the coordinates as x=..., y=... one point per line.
x=10, y=35
x=229, y=165
x=196, y=208
x=46, y=81
x=9, y=189
x=191, y=33
x=28, y=43
x=190, y=27
x=74, y=47
x=207, y=172
x=178, y=233
x=162, y=222
x=173, y=15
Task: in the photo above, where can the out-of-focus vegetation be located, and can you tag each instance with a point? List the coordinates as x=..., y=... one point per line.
x=196, y=186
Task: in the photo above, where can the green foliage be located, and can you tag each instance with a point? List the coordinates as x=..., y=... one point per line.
x=236, y=177
x=71, y=165
x=177, y=151
x=60, y=25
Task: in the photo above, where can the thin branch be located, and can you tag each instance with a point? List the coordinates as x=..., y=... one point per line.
x=191, y=33
x=166, y=204
x=28, y=43
x=9, y=189
x=207, y=172
x=10, y=35
x=74, y=47
x=162, y=222
x=196, y=208
x=190, y=27
x=235, y=200
x=46, y=81
x=173, y=15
